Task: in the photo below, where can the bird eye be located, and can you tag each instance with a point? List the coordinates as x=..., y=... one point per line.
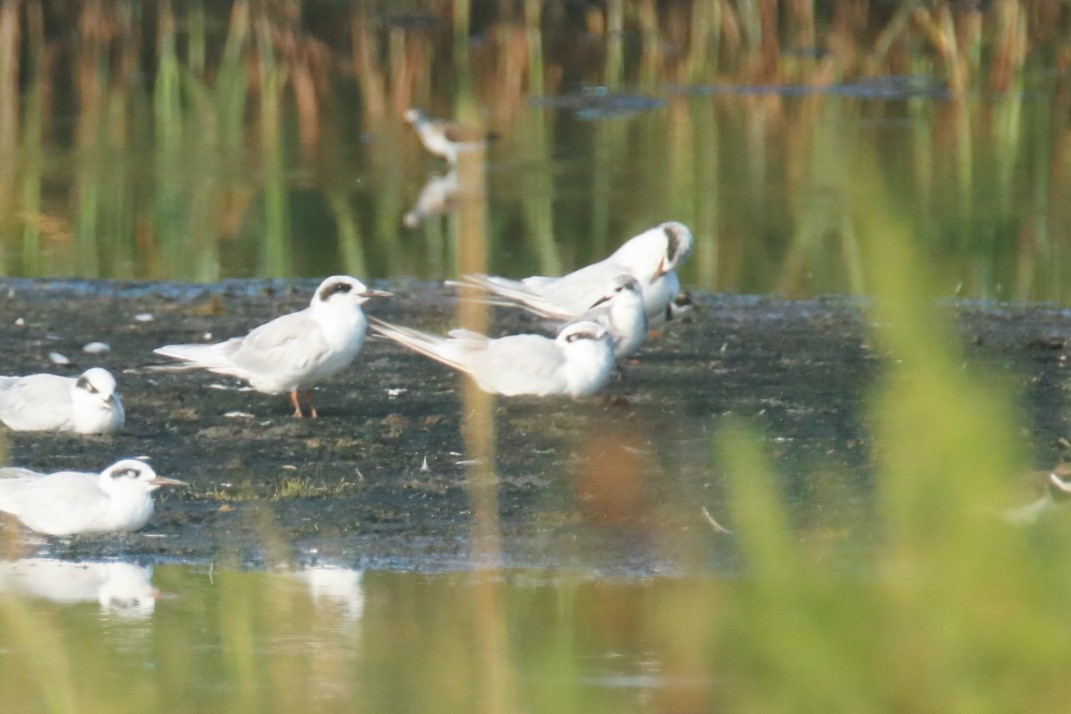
x=342, y=287
x=85, y=384
x=126, y=473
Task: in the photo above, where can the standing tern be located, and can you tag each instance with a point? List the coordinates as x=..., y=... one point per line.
x=292, y=352
x=71, y=502
x=88, y=404
x=578, y=363
x=651, y=257
x=447, y=138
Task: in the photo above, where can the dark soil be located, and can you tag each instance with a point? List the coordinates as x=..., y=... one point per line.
x=614, y=483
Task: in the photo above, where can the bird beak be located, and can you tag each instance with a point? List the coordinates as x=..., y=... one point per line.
x=376, y=293
x=662, y=269
x=600, y=301
x=162, y=481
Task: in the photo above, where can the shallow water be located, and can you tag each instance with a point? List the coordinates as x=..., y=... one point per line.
x=322, y=638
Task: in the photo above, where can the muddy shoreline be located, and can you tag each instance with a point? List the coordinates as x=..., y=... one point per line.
x=611, y=484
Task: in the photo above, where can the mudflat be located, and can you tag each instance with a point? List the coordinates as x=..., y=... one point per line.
x=624, y=482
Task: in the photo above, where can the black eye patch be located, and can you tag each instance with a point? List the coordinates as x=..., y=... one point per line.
x=329, y=290
x=126, y=473
x=84, y=383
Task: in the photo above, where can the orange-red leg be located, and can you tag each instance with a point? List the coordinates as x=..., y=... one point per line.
x=297, y=404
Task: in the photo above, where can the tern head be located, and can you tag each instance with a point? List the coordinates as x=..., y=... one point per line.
x=95, y=402
x=622, y=311
x=679, y=245
x=622, y=288
x=133, y=474
x=345, y=289
x=96, y=385
x=587, y=349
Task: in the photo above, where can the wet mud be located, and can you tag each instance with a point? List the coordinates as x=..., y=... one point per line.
x=615, y=483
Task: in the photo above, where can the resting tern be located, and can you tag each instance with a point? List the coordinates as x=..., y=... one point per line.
x=72, y=502
x=651, y=257
x=295, y=351
x=88, y=404
x=578, y=363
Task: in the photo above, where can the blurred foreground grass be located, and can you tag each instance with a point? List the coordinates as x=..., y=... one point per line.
x=957, y=612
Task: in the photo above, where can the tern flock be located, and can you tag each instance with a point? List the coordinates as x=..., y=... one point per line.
x=607, y=309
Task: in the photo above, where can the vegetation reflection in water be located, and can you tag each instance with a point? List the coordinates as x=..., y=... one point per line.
x=196, y=141
x=323, y=639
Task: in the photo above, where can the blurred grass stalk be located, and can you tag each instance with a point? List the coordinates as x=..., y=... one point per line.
x=32, y=143
x=961, y=611
x=272, y=75
x=495, y=691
